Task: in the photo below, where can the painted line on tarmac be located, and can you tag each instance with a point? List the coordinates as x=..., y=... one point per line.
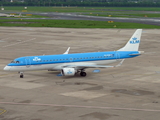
x=18, y=43
x=3, y=111
x=79, y=106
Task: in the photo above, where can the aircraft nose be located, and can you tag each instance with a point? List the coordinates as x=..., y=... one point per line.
x=7, y=68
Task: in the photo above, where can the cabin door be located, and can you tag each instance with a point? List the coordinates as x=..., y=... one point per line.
x=28, y=61
x=117, y=55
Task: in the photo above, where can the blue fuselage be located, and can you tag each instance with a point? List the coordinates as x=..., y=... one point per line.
x=73, y=58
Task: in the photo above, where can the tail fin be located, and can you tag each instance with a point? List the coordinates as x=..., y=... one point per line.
x=133, y=43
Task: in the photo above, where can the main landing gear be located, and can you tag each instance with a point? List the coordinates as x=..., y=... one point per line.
x=82, y=73
x=21, y=74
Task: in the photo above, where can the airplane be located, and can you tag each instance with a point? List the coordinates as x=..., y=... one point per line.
x=72, y=64
x=6, y=15
x=11, y=15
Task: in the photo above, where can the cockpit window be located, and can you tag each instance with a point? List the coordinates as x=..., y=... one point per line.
x=15, y=62
x=12, y=61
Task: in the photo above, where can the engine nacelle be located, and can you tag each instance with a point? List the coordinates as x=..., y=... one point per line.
x=68, y=71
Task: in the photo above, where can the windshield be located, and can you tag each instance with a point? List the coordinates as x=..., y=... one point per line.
x=15, y=62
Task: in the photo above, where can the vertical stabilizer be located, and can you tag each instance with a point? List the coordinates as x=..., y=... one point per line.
x=133, y=43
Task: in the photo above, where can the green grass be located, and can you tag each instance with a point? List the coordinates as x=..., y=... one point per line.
x=136, y=8
x=78, y=9
x=101, y=11
x=72, y=24
x=51, y=9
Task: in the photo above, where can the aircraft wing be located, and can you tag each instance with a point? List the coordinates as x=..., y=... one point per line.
x=92, y=66
x=86, y=66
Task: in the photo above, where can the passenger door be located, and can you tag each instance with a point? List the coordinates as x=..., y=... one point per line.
x=28, y=62
x=117, y=55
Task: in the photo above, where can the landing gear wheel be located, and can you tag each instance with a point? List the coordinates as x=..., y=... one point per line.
x=83, y=74
x=21, y=74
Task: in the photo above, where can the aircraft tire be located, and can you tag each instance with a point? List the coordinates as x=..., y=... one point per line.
x=83, y=74
x=21, y=76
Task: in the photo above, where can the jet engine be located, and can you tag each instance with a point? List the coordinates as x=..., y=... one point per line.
x=68, y=72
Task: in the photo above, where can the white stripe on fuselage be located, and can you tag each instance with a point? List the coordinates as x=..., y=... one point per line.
x=59, y=66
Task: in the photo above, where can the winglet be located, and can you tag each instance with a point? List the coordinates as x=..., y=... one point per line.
x=67, y=51
x=120, y=63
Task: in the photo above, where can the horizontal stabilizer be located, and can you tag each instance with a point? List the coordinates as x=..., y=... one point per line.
x=60, y=74
x=96, y=71
x=139, y=53
x=134, y=54
x=120, y=63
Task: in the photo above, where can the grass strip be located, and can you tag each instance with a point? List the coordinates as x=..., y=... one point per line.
x=73, y=24
x=76, y=9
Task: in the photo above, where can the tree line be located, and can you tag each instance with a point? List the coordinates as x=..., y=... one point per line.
x=89, y=3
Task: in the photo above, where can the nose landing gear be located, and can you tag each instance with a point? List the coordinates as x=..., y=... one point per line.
x=21, y=74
